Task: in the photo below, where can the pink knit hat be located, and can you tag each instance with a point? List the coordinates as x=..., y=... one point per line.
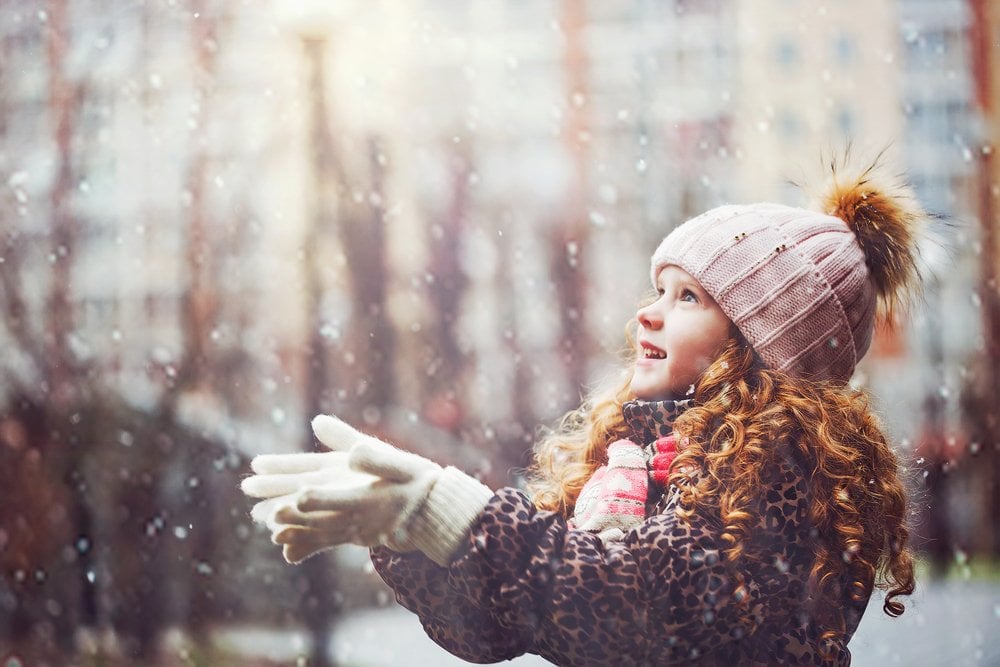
x=802, y=286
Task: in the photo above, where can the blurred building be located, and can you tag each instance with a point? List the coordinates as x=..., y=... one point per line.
x=925, y=367
x=812, y=79
x=174, y=226
x=535, y=156
x=522, y=158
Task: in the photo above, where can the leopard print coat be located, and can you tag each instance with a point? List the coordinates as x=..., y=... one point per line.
x=526, y=583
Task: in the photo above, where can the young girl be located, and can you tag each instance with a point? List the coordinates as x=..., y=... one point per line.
x=732, y=502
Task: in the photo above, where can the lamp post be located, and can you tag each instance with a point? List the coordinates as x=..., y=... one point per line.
x=986, y=74
x=313, y=23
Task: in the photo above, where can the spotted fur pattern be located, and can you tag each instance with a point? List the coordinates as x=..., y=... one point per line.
x=649, y=420
x=525, y=582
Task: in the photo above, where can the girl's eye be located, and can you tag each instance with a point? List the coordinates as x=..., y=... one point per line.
x=688, y=295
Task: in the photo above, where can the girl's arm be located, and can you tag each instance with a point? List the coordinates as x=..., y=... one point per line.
x=519, y=579
x=526, y=582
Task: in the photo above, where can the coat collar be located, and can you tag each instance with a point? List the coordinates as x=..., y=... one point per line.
x=649, y=420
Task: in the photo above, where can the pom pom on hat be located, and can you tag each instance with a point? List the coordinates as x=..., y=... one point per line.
x=804, y=286
x=884, y=216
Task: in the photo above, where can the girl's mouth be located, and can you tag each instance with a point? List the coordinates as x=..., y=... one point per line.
x=651, y=352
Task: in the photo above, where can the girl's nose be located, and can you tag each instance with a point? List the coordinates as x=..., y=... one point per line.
x=649, y=318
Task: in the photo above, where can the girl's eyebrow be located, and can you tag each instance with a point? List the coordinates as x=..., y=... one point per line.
x=691, y=282
x=680, y=281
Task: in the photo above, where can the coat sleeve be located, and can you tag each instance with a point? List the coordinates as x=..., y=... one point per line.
x=525, y=582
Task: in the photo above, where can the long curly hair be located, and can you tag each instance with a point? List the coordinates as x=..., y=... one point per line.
x=566, y=457
x=741, y=408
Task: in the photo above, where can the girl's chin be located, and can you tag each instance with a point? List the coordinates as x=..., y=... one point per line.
x=651, y=393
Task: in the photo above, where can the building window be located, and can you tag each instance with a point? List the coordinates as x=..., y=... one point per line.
x=788, y=126
x=698, y=6
x=846, y=123
x=844, y=49
x=786, y=52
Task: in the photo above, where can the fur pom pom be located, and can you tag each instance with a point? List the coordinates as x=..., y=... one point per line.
x=885, y=217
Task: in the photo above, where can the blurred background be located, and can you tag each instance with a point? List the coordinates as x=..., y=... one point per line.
x=433, y=218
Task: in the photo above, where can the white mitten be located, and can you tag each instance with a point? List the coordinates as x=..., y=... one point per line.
x=279, y=477
x=377, y=495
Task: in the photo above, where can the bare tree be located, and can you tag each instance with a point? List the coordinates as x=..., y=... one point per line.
x=361, y=227
x=568, y=239
x=65, y=98
x=199, y=304
x=445, y=406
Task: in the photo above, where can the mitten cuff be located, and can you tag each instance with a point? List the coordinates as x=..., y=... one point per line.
x=442, y=523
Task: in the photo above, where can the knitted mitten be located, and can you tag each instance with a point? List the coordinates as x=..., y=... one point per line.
x=663, y=451
x=376, y=495
x=613, y=501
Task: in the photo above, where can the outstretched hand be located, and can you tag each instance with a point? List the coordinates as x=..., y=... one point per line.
x=363, y=492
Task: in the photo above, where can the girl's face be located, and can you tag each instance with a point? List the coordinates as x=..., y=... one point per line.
x=679, y=336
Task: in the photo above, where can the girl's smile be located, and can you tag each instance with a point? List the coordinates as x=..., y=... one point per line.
x=649, y=351
x=680, y=334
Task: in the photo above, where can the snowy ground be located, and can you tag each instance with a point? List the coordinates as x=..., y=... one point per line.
x=953, y=624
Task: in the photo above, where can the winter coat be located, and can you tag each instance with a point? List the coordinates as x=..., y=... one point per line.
x=526, y=583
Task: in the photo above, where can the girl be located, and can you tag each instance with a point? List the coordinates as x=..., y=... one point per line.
x=732, y=502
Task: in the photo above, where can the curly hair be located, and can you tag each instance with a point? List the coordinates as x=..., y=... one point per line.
x=565, y=458
x=741, y=408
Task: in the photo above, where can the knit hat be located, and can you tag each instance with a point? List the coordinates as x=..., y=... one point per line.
x=803, y=286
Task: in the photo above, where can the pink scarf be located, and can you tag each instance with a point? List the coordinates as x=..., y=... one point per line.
x=613, y=501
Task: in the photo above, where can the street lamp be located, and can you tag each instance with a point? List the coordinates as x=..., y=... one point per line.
x=312, y=19
x=313, y=22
